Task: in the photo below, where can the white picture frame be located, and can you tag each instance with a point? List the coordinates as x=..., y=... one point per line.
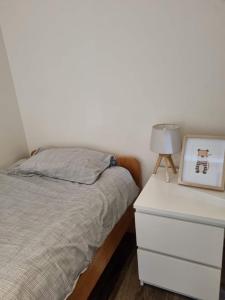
x=202, y=162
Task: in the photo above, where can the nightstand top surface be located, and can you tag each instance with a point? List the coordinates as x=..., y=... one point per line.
x=186, y=203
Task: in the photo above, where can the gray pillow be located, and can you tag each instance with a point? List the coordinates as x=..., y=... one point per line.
x=73, y=164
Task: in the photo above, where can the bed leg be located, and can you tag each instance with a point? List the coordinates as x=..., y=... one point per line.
x=141, y=282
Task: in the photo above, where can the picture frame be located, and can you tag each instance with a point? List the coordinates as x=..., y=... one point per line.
x=202, y=162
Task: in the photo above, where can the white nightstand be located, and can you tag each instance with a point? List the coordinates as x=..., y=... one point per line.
x=180, y=234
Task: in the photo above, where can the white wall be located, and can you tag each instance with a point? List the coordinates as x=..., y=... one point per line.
x=12, y=138
x=100, y=73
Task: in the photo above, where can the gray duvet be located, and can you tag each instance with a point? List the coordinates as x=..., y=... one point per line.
x=50, y=229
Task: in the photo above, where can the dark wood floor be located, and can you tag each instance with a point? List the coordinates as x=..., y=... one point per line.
x=120, y=281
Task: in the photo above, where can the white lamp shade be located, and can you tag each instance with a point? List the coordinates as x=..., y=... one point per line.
x=165, y=139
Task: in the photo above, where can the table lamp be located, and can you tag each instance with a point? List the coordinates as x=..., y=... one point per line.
x=165, y=140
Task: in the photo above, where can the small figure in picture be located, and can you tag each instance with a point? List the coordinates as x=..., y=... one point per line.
x=202, y=164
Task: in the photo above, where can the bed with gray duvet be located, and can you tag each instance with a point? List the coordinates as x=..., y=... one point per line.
x=51, y=227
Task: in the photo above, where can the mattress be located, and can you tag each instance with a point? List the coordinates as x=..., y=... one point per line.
x=50, y=230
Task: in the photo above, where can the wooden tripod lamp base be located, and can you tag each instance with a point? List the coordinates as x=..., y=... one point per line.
x=167, y=158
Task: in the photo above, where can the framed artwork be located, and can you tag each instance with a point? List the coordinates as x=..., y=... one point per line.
x=203, y=162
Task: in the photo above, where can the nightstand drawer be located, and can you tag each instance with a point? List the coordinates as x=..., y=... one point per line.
x=191, y=241
x=187, y=278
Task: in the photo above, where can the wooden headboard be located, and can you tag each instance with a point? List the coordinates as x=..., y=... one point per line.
x=128, y=162
x=133, y=166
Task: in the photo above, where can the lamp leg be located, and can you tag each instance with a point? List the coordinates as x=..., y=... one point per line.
x=170, y=160
x=167, y=169
x=157, y=165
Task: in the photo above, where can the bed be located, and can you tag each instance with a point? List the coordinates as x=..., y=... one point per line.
x=42, y=255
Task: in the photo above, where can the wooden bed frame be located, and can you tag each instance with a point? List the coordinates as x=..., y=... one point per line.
x=89, y=278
